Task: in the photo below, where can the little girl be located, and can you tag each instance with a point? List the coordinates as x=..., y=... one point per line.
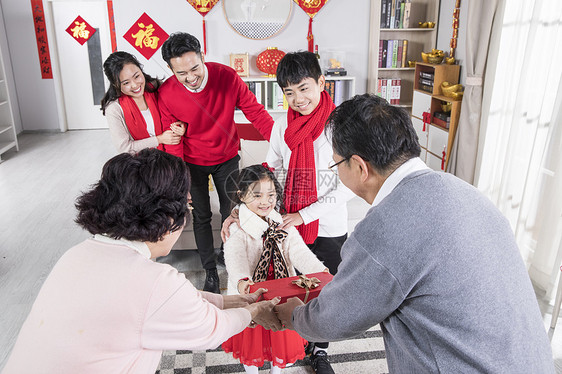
x=258, y=251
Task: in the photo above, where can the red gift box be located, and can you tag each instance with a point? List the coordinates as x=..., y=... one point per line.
x=286, y=288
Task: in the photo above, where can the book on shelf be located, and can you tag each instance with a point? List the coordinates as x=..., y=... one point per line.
x=388, y=7
x=427, y=82
x=392, y=14
x=406, y=18
x=389, y=89
x=426, y=75
x=398, y=6
x=425, y=87
x=258, y=93
x=394, y=63
x=384, y=53
x=395, y=14
x=383, y=14
x=251, y=86
x=381, y=49
x=401, y=22
x=272, y=97
x=338, y=92
x=443, y=116
x=399, y=54
x=393, y=53
x=329, y=87
x=441, y=122
x=280, y=96
x=404, y=62
x=389, y=54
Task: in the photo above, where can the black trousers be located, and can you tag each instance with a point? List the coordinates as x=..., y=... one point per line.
x=328, y=250
x=224, y=178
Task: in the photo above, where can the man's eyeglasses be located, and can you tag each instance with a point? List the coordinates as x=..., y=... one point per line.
x=332, y=165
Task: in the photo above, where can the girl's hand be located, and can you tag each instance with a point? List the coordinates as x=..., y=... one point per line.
x=291, y=219
x=178, y=128
x=168, y=137
x=244, y=286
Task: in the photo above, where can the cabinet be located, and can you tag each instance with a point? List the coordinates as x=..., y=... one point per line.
x=435, y=139
x=270, y=95
x=419, y=39
x=8, y=138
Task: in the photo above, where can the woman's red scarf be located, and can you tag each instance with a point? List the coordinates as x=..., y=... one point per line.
x=135, y=120
x=300, y=186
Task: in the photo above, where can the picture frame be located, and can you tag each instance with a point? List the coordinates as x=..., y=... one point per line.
x=240, y=62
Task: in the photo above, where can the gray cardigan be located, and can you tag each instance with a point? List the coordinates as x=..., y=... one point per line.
x=436, y=264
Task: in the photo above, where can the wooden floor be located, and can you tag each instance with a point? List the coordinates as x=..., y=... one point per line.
x=38, y=186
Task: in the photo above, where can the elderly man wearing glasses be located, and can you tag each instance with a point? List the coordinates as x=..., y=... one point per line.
x=434, y=262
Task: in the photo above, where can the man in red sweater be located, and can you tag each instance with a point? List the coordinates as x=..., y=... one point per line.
x=204, y=96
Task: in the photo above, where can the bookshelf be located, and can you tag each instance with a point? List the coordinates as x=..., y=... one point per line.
x=419, y=39
x=436, y=136
x=269, y=93
x=8, y=138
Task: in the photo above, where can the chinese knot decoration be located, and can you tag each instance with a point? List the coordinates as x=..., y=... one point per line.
x=311, y=7
x=456, y=13
x=203, y=7
x=146, y=36
x=80, y=30
x=268, y=60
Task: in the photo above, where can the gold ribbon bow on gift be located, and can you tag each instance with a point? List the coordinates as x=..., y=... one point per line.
x=307, y=284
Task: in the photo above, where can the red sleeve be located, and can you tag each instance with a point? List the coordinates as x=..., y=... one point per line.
x=167, y=119
x=254, y=111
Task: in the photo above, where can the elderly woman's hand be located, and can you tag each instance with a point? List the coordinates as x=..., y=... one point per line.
x=240, y=301
x=263, y=314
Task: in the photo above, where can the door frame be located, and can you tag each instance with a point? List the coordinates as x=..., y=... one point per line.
x=55, y=63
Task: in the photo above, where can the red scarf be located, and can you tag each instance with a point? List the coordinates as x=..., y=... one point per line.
x=300, y=186
x=135, y=120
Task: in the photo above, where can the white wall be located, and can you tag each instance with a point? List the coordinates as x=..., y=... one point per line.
x=336, y=27
x=35, y=96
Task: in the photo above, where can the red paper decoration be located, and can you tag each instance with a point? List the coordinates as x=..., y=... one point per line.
x=111, y=25
x=42, y=40
x=311, y=7
x=80, y=30
x=146, y=36
x=203, y=7
x=268, y=60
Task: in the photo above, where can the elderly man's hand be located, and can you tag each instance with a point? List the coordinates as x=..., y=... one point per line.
x=262, y=314
x=285, y=311
x=240, y=301
x=233, y=217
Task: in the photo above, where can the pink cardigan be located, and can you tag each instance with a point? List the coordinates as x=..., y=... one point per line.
x=107, y=309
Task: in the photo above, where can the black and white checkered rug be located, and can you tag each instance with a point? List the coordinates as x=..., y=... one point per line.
x=361, y=355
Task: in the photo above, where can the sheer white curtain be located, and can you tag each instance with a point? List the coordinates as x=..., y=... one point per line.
x=520, y=166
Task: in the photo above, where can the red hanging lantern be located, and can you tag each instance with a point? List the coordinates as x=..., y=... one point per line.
x=311, y=7
x=203, y=7
x=268, y=60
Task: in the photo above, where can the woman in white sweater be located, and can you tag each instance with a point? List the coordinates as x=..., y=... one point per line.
x=258, y=251
x=131, y=107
